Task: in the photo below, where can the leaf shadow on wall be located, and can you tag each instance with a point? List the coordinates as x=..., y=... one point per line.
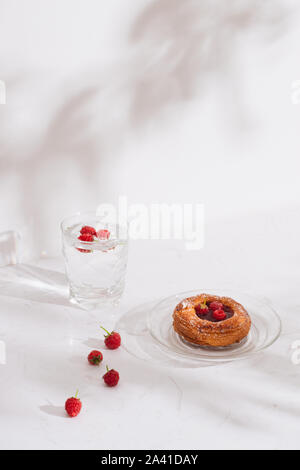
x=175, y=52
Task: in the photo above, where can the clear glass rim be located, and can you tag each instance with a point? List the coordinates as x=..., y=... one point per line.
x=93, y=214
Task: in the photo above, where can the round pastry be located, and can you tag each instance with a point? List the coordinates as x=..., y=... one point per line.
x=210, y=320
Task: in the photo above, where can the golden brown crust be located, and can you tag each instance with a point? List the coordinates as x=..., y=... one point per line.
x=206, y=333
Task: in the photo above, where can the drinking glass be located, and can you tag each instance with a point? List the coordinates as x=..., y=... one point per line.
x=95, y=269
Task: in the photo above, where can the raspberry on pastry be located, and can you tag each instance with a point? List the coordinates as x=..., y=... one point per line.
x=219, y=314
x=216, y=305
x=210, y=320
x=201, y=309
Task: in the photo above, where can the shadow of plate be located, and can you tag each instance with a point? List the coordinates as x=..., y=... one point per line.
x=138, y=341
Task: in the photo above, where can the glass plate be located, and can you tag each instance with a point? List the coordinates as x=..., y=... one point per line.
x=265, y=329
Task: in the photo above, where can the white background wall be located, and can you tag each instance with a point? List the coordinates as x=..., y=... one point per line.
x=159, y=100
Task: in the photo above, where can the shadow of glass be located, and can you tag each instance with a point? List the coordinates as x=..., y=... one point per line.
x=35, y=284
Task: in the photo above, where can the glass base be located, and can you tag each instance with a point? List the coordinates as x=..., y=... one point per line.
x=91, y=299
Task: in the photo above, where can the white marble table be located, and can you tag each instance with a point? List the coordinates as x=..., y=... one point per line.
x=248, y=404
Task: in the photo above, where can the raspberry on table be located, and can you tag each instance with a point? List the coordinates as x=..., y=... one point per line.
x=73, y=406
x=95, y=358
x=111, y=378
x=112, y=340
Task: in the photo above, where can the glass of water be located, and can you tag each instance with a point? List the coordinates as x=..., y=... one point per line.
x=96, y=259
